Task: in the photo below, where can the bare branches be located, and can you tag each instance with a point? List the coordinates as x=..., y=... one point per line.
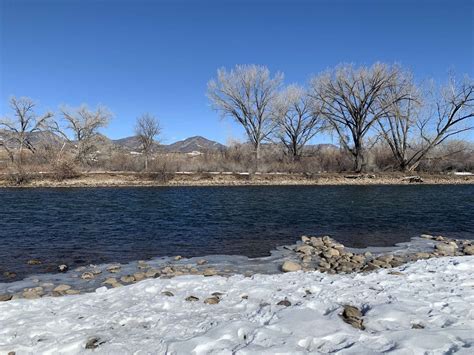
x=84, y=125
x=18, y=130
x=351, y=100
x=147, y=129
x=246, y=93
x=297, y=118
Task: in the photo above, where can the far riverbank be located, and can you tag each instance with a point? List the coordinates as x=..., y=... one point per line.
x=132, y=179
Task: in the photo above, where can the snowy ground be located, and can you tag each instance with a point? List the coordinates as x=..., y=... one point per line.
x=437, y=294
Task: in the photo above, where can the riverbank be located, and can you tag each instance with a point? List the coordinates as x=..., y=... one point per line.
x=130, y=179
x=425, y=306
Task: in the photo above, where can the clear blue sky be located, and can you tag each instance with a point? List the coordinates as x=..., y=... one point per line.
x=157, y=56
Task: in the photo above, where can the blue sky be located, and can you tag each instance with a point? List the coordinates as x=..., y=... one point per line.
x=157, y=56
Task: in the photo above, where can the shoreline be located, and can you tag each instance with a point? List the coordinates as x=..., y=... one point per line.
x=322, y=254
x=228, y=179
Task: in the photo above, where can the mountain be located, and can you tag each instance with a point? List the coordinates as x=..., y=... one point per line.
x=191, y=144
x=129, y=143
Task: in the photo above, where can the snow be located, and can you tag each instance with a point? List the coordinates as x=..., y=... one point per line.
x=436, y=293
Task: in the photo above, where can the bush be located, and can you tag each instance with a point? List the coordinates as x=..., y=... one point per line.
x=65, y=169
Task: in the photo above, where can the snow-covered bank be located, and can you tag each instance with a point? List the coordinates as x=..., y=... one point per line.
x=436, y=295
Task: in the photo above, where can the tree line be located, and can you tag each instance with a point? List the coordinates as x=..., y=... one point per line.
x=364, y=107
x=360, y=105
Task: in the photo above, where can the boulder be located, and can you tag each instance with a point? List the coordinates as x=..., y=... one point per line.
x=139, y=276
x=305, y=249
x=317, y=242
x=290, y=266
x=114, y=268
x=87, y=275
x=5, y=297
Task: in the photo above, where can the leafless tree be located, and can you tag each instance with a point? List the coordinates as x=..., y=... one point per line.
x=453, y=112
x=246, y=93
x=18, y=130
x=147, y=129
x=297, y=119
x=84, y=125
x=397, y=125
x=350, y=100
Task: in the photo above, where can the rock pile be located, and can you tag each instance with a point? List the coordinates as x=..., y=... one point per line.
x=327, y=255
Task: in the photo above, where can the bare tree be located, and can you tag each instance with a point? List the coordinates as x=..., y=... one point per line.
x=396, y=126
x=84, y=125
x=297, y=118
x=246, y=93
x=453, y=114
x=350, y=100
x=147, y=129
x=18, y=130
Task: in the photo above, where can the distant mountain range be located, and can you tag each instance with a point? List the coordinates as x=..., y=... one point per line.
x=132, y=143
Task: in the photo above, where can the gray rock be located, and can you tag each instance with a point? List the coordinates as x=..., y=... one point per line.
x=284, y=302
x=446, y=248
x=192, y=299
x=93, y=343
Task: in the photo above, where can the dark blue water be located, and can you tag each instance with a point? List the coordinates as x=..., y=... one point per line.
x=96, y=225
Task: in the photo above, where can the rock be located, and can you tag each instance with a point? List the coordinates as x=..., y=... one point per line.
x=87, y=276
x=167, y=293
x=305, y=249
x=63, y=268
x=192, y=299
x=178, y=257
x=127, y=278
x=152, y=273
x=371, y=267
x=139, y=276
x=61, y=288
x=353, y=316
x=110, y=281
x=114, y=268
x=332, y=252
x=290, y=266
x=285, y=303
x=117, y=284
x=201, y=262
x=209, y=272
x=11, y=353
x=307, y=259
x=73, y=292
x=217, y=294
x=422, y=255
x=167, y=270
x=305, y=239
x=469, y=250
x=32, y=293
x=317, y=242
x=440, y=238
x=446, y=248
x=212, y=300
x=9, y=274
x=324, y=264
x=427, y=236
x=360, y=259
x=417, y=326
x=368, y=254
x=385, y=258
x=5, y=297
x=34, y=262
x=380, y=263
x=93, y=343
